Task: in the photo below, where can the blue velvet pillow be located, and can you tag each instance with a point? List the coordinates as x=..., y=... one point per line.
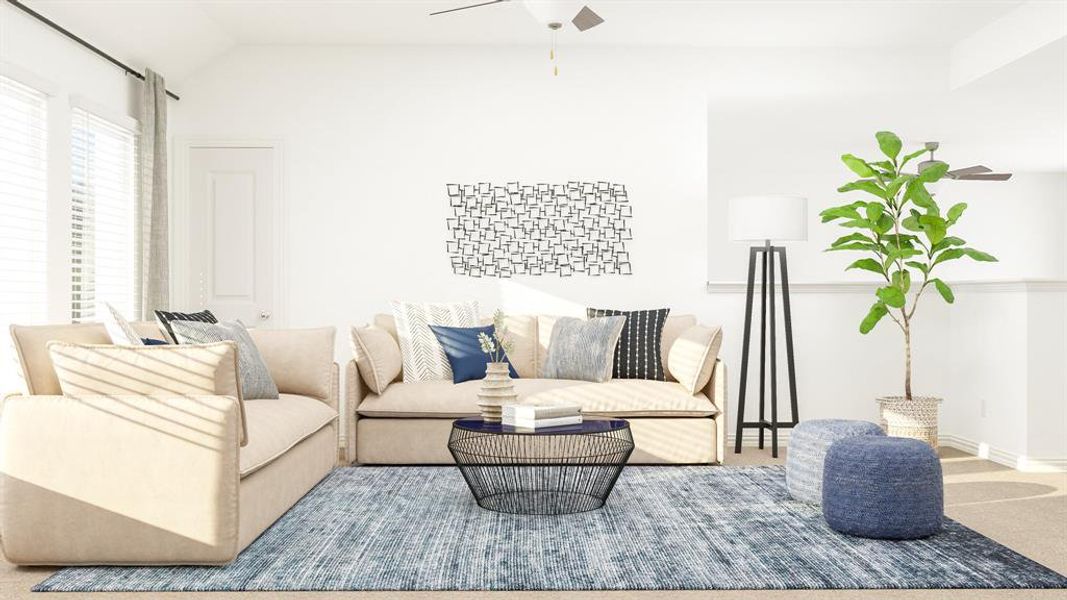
x=153, y=342
x=464, y=353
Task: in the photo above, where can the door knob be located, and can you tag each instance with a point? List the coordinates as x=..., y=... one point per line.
x=263, y=316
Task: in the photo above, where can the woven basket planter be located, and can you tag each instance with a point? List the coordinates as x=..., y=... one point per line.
x=915, y=418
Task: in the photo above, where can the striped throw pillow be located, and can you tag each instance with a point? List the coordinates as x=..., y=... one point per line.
x=164, y=319
x=638, y=355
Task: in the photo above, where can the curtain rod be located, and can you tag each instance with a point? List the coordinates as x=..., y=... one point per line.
x=129, y=70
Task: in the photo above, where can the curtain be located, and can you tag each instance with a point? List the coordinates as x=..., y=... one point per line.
x=153, y=268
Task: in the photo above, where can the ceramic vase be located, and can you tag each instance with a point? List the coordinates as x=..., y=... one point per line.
x=497, y=390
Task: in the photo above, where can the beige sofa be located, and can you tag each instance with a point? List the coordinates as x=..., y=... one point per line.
x=409, y=423
x=120, y=480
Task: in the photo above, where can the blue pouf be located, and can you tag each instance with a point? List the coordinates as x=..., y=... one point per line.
x=883, y=487
x=808, y=444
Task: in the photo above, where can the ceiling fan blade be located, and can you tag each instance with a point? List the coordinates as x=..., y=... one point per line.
x=985, y=177
x=586, y=19
x=441, y=12
x=970, y=171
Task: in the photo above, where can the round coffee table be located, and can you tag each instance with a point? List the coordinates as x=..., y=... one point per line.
x=552, y=471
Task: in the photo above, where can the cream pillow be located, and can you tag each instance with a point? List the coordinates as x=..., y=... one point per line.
x=424, y=358
x=118, y=328
x=156, y=371
x=377, y=356
x=693, y=354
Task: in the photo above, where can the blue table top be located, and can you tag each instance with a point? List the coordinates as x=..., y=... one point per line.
x=589, y=425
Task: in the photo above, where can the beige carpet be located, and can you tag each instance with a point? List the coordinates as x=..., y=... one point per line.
x=1024, y=511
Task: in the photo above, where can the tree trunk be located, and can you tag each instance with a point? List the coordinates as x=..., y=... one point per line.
x=907, y=360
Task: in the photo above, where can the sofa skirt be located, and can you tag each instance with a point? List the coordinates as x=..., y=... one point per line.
x=407, y=441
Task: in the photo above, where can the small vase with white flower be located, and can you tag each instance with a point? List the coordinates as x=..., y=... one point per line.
x=497, y=388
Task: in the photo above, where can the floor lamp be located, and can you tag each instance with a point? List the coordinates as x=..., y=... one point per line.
x=763, y=219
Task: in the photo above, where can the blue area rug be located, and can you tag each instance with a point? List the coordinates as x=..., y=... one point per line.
x=673, y=528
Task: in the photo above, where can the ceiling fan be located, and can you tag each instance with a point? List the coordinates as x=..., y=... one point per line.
x=552, y=13
x=975, y=173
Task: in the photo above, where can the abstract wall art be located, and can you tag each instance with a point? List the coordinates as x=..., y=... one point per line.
x=562, y=229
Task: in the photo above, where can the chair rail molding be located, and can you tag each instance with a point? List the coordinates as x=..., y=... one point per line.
x=868, y=287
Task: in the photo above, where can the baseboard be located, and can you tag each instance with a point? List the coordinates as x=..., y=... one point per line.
x=1020, y=462
x=1028, y=464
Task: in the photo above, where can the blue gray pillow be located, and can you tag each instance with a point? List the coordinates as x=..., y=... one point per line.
x=583, y=350
x=464, y=353
x=256, y=382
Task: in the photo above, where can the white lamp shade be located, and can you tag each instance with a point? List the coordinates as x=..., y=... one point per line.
x=769, y=217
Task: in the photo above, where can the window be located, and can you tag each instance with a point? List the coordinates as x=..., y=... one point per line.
x=103, y=215
x=23, y=214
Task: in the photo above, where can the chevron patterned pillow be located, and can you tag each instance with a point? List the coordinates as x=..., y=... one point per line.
x=423, y=357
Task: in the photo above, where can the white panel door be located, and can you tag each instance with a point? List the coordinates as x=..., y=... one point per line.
x=232, y=233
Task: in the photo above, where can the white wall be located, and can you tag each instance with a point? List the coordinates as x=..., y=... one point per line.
x=373, y=134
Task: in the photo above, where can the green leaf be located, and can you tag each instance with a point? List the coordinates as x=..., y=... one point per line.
x=851, y=237
x=918, y=265
x=955, y=212
x=903, y=252
x=876, y=313
x=909, y=157
x=874, y=210
x=854, y=246
x=934, y=227
x=858, y=224
x=895, y=185
x=864, y=185
x=889, y=143
x=891, y=296
x=902, y=280
x=867, y=264
x=840, y=212
x=884, y=164
x=857, y=165
x=944, y=290
x=911, y=223
x=933, y=172
x=917, y=193
x=947, y=255
x=884, y=224
x=978, y=255
x=948, y=242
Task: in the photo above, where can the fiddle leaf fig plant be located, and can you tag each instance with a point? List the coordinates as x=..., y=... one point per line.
x=904, y=233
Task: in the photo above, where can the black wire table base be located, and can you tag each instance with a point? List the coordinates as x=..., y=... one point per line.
x=555, y=471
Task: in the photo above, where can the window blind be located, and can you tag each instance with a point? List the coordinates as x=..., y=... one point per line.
x=23, y=215
x=103, y=215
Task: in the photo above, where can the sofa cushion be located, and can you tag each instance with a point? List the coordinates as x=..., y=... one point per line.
x=156, y=371
x=377, y=356
x=693, y=354
x=300, y=360
x=672, y=328
x=619, y=397
x=31, y=344
x=639, y=353
x=275, y=426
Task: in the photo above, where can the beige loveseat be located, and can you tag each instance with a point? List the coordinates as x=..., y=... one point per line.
x=409, y=423
x=139, y=480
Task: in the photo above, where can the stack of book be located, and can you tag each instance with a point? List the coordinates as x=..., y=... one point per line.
x=534, y=416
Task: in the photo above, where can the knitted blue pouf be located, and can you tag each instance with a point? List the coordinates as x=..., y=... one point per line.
x=883, y=487
x=807, y=449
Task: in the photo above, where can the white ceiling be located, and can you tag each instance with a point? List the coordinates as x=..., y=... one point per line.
x=178, y=36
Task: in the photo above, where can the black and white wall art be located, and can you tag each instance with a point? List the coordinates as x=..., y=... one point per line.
x=561, y=229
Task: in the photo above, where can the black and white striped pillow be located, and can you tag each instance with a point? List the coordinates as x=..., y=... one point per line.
x=638, y=354
x=164, y=318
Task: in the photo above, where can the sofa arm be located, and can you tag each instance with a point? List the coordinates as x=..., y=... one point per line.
x=119, y=480
x=716, y=392
x=355, y=392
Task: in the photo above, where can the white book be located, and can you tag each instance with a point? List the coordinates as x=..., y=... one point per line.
x=541, y=411
x=542, y=423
